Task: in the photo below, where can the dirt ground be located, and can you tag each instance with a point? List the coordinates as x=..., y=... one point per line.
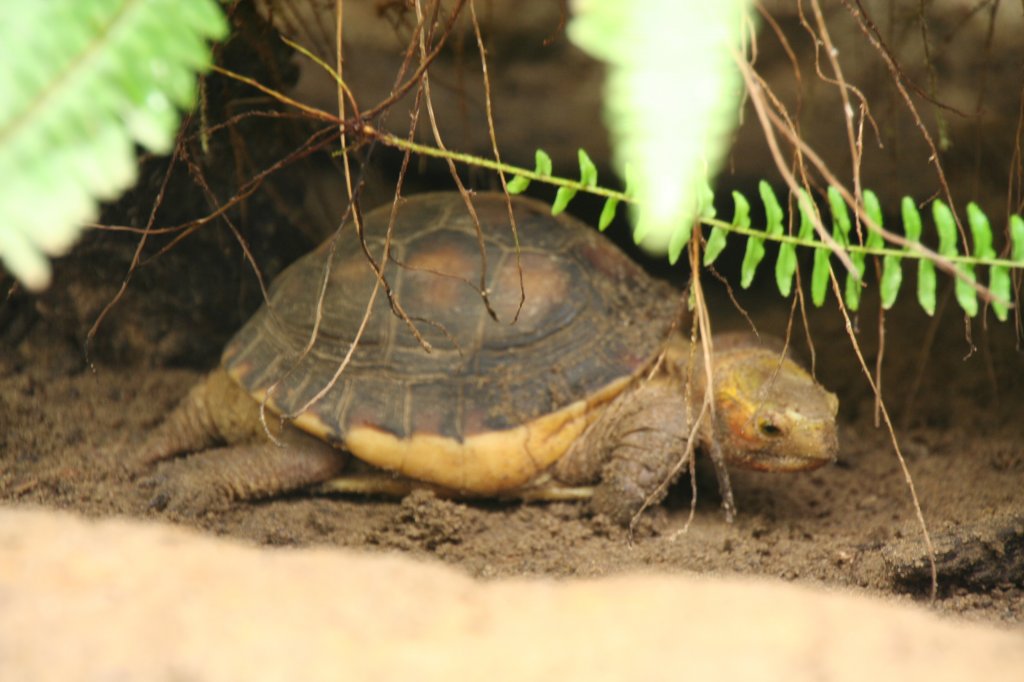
x=850, y=525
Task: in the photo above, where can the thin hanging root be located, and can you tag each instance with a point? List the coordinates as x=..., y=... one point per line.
x=895, y=443
x=436, y=132
x=488, y=109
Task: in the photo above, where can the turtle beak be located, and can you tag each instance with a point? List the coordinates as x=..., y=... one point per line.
x=813, y=445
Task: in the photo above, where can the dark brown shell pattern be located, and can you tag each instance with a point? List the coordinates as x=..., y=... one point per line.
x=590, y=316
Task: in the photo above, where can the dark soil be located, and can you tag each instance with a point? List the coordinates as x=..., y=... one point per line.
x=958, y=416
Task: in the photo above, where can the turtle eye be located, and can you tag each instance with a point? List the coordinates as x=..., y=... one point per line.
x=768, y=428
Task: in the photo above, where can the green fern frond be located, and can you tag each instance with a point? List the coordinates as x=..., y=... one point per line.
x=680, y=55
x=983, y=254
x=82, y=82
x=871, y=243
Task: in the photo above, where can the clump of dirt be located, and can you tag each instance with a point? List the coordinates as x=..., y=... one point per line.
x=850, y=525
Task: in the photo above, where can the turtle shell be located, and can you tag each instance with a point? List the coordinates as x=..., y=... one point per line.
x=491, y=393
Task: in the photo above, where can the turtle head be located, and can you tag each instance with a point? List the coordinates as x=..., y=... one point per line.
x=771, y=415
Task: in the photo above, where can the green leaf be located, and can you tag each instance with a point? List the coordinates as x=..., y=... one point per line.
x=806, y=208
x=607, y=213
x=999, y=285
x=926, y=285
x=203, y=16
x=705, y=212
x=741, y=214
x=998, y=278
x=681, y=237
x=819, y=276
x=853, y=284
x=641, y=225
x=542, y=164
x=925, y=269
x=562, y=198
x=83, y=82
x=517, y=185
x=981, y=232
x=679, y=54
x=892, y=278
x=706, y=203
x=892, y=268
x=755, y=245
x=892, y=272
x=678, y=241
x=874, y=210
x=773, y=226
x=751, y=258
x=820, y=270
x=841, y=227
x=715, y=246
x=911, y=219
x=840, y=217
x=1017, y=238
x=717, y=238
x=588, y=171
x=630, y=174
x=966, y=296
x=785, y=265
x=945, y=224
x=785, y=268
x=772, y=210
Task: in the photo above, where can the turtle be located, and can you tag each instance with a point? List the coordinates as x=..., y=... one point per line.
x=491, y=361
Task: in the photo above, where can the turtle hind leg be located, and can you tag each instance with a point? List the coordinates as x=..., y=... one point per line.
x=213, y=479
x=215, y=411
x=188, y=427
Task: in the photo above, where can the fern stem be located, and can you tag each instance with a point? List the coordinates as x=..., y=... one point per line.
x=491, y=164
x=857, y=248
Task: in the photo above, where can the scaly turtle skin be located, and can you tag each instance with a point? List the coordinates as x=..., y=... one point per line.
x=567, y=372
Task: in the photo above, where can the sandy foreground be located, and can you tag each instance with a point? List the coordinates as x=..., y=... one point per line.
x=124, y=600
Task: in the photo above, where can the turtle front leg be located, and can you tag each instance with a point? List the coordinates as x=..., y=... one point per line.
x=632, y=450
